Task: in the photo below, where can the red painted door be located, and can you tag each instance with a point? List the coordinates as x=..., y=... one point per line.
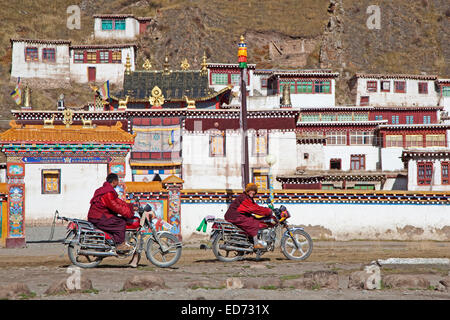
x=91, y=73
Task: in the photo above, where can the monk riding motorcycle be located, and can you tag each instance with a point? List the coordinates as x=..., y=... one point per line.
x=88, y=245
x=229, y=243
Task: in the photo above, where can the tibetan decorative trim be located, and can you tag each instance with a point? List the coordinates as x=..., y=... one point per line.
x=341, y=123
x=43, y=41
x=425, y=154
x=328, y=197
x=415, y=126
x=228, y=65
x=103, y=46
x=396, y=76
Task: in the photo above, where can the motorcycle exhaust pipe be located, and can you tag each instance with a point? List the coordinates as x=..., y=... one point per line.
x=96, y=253
x=232, y=248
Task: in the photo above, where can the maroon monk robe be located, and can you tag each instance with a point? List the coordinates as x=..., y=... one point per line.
x=239, y=214
x=104, y=210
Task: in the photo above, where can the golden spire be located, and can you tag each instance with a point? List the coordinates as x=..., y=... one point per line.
x=242, y=38
x=147, y=64
x=204, y=70
x=166, y=65
x=128, y=65
x=185, y=64
x=27, y=100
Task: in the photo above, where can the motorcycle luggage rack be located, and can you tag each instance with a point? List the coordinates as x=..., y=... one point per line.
x=92, y=237
x=226, y=226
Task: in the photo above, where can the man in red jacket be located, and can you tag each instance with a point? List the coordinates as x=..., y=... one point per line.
x=109, y=213
x=240, y=210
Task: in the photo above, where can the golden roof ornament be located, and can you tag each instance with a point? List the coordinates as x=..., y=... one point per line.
x=147, y=65
x=27, y=99
x=185, y=64
x=48, y=123
x=157, y=98
x=123, y=103
x=68, y=117
x=166, y=65
x=286, y=96
x=204, y=69
x=128, y=65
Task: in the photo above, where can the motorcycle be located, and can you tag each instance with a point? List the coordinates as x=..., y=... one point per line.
x=230, y=243
x=88, y=246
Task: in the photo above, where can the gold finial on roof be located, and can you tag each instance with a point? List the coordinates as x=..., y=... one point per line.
x=48, y=123
x=147, y=64
x=128, y=65
x=68, y=117
x=87, y=123
x=185, y=64
x=242, y=38
x=27, y=100
x=123, y=103
x=204, y=69
x=286, y=96
x=166, y=64
x=157, y=98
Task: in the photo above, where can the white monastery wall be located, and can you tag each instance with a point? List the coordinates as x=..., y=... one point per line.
x=411, y=97
x=78, y=183
x=130, y=32
x=344, y=221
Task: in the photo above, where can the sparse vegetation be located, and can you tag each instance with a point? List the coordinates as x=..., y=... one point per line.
x=411, y=39
x=24, y=296
x=290, y=277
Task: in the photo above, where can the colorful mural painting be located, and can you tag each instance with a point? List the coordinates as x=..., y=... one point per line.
x=117, y=168
x=16, y=203
x=15, y=169
x=174, y=210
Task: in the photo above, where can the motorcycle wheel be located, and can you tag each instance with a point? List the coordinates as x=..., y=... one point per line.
x=82, y=261
x=160, y=259
x=289, y=249
x=224, y=255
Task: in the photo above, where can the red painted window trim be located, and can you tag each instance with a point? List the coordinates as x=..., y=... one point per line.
x=84, y=56
x=372, y=85
x=397, y=90
x=381, y=86
x=32, y=60
x=98, y=56
x=361, y=158
x=424, y=85
x=447, y=165
x=365, y=102
x=424, y=180
x=44, y=50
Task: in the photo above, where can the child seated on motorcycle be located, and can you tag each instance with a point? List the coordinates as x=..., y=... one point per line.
x=240, y=213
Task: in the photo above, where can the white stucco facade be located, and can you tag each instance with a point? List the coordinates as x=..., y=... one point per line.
x=103, y=71
x=344, y=153
x=345, y=221
x=437, y=159
x=202, y=171
x=44, y=73
x=55, y=71
x=77, y=185
x=391, y=159
x=411, y=96
x=131, y=29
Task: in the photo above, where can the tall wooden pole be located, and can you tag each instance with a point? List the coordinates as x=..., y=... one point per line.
x=242, y=58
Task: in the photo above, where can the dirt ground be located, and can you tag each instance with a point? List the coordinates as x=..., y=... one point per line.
x=40, y=265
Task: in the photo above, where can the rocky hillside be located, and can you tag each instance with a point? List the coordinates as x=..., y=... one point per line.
x=413, y=36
